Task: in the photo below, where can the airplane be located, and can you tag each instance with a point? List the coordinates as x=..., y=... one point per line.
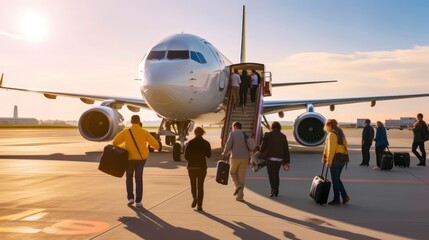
x=185, y=79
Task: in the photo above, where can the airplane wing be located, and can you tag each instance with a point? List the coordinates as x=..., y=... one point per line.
x=277, y=106
x=134, y=104
x=300, y=83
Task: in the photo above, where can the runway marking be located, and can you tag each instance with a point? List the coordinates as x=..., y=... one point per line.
x=347, y=180
x=35, y=217
x=20, y=215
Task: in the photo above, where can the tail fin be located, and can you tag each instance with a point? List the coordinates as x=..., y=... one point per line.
x=1, y=80
x=243, y=37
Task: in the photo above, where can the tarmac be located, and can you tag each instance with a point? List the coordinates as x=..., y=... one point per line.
x=50, y=188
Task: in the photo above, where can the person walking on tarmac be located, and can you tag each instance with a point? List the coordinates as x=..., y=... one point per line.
x=240, y=152
x=136, y=140
x=418, y=141
x=367, y=139
x=195, y=153
x=335, y=143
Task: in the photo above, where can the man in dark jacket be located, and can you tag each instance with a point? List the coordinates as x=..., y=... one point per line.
x=367, y=139
x=419, y=141
x=275, y=150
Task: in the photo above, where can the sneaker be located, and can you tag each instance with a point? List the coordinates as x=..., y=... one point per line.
x=421, y=164
x=130, y=201
x=346, y=199
x=240, y=199
x=139, y=204
x=334, y=203
x=376, y=168
x=199, y=208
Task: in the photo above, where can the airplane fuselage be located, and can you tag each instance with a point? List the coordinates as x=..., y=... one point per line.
x=184, y=77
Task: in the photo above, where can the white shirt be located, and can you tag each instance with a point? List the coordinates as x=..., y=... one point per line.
x=235, y=80
x=254, y=79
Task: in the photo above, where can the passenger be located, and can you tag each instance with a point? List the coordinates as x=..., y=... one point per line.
x=237, y=146
x=244, y=86
x=235, y=87
x=367, y=139
x=381, y=143
x=419, y=141
x=335, y=143
x=255, y=77
x=195, y=153
x=138, y=152
x=275, y=150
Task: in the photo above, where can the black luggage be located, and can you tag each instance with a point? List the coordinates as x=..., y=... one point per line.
x=320, y=187
x=401, y=159
x=114, y=161
x=386, y=161
x=222, y=172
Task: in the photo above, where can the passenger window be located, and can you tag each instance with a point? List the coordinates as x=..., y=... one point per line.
x=156, y=55
x=202, y=59
x=195, y=57
x=178, y=55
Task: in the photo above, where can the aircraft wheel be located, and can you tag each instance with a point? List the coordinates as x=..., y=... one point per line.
x=150, y=148
x=160, y=146
x=176, y=152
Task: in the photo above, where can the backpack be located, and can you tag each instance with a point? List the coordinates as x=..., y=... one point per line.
x=425, y=132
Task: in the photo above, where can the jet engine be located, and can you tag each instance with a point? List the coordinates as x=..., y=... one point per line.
x=100, y=124
x=309, y=129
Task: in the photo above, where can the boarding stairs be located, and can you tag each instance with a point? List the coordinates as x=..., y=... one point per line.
x=250, y=115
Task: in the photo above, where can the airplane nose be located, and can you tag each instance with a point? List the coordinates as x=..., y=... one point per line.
x=161, y=85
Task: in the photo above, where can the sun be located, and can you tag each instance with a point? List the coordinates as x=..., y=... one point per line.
x=32, y=25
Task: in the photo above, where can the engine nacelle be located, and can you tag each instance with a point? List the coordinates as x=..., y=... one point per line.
x=100, y=124
x=309, y=129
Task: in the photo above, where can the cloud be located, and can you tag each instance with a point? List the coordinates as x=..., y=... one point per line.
x=397, y=69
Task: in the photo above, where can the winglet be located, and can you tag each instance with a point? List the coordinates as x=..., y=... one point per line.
x=1, y=79
x=243, y=37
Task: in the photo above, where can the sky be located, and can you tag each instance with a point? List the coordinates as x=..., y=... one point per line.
x=372, y=47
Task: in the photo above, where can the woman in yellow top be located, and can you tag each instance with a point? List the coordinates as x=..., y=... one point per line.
x=335, y=143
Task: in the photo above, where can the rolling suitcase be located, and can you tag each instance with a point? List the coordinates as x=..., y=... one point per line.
x=401, y=159
x=386, y=161
x=222, y=172
x=114, y=161
x=320, y=187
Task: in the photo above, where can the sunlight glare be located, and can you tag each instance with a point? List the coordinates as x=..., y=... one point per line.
x=32, y=25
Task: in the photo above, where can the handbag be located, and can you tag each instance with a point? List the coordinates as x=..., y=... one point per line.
x=342, y=158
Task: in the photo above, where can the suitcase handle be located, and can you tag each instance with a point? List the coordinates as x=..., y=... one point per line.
x=323, y=169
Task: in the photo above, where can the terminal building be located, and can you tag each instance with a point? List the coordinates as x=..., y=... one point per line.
x=17, y=121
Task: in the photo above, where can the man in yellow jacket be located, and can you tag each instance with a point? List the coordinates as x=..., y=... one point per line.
x=137, y=155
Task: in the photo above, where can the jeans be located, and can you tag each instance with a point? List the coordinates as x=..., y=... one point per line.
x=337, y=184
x=135, y=168
x=421, y=145
x=253, y=93
x=197, y=177
x=243, y=95
x=273, y=169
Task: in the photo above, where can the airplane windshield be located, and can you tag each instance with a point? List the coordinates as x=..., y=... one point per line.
x=156, y=55
x=171, y=55
x=198, y=57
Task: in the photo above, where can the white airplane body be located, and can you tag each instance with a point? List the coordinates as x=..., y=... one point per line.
x=185, y=79
x=178, y=85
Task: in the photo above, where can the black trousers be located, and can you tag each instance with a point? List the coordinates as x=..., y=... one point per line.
x=197, y=177
x=243, y=95
x=273, y=170
x=365, y=153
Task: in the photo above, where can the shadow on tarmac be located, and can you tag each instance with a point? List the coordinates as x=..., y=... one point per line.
x=313, y=224
x=149, y=226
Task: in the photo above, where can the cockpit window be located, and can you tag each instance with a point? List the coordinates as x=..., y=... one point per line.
x=198, y=57
x=203, y=60
x=171, y=55
x=156, y=55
